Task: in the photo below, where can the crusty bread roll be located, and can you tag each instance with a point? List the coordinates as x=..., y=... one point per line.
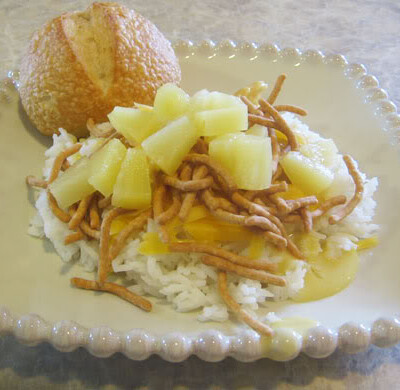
x=80, y=65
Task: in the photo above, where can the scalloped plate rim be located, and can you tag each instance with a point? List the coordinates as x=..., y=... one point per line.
x=213, y=345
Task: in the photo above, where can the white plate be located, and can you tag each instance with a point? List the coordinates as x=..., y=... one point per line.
x=343, y=103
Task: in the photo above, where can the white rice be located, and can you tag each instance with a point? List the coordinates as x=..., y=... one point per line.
x=180, y=278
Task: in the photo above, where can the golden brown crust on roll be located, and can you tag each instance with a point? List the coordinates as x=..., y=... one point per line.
x=80, y=65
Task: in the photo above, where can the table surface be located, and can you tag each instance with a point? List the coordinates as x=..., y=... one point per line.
x=365, y=31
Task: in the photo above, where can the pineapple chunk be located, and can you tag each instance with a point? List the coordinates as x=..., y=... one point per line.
x=308, y=175
x=196, y=102
x=324, y=151
x=254, y=162
x=258, y=130
x=105, y=165
x=135, y=124
x=73, y=184
x=329, y=151
x=217, y=113
x=132, y=189
x=204, y=100
x=170, y=102
x=247, y=157
x=143, y=107
x=221, y=149
x=221, y=121
x=169, y=146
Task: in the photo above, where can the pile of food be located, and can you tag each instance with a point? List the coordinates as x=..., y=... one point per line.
x=211, y=201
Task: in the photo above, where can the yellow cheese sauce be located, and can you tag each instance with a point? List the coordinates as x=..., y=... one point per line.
x=327, y=277
x=284, y=345
x=286, y=342
x=298, y=324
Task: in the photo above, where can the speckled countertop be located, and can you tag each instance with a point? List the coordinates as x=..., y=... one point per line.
x=365, y=31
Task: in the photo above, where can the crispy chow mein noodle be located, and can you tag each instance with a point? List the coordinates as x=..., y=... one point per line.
x=80, y=212
x=65, y=165
x=268, y=109
x=295, y=204
x=171, y=211
x=201, y=146
x=136, y=224
x=276, y=239
x=58, y=162
x=240, y=270
x=104, y=202
x=59, y=213
x=94, y=216
x=237, y=309
x=358, y=194
x=193, y=247
x=289, y=108
x=103, y=130
x=263, y=121
x=158, y=200
x=306, y=216
x=220, y=172
x=115, y=289
x=327, y=205
x=252, y=108
x=32, y=181
x=188, y=199
x=93, y=233
x=104, y=260
x=188, y=185
x=280, y=203
x=215, y=203
x=186, y=172
x=73, y=237
x=277, y=89
x=272, y=189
